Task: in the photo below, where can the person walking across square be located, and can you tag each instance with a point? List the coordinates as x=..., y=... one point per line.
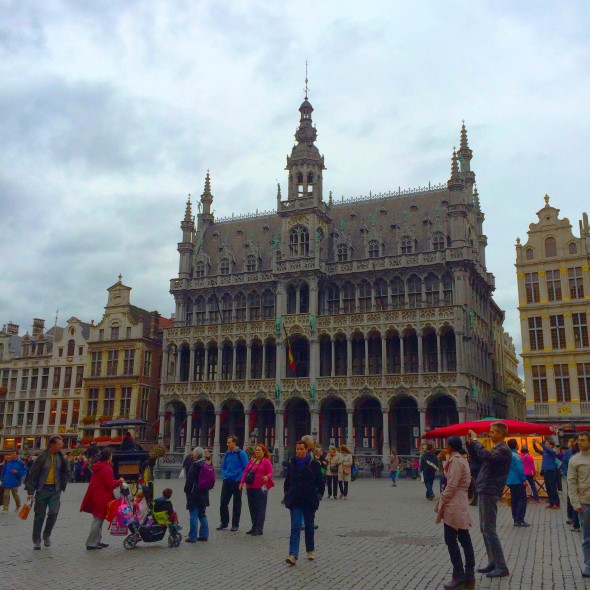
x=232, y=469
x=549, y=471
x=516, y=482
x=495, y=464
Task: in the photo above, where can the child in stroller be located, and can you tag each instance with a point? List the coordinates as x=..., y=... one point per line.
x=164, y=512
x=150, y=524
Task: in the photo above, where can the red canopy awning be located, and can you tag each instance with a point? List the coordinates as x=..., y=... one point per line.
x=483, y=426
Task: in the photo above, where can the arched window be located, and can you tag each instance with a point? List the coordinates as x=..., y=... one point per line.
x=200, y=269
x=414, y=291
x=227, y=308
x=224, y=266
x=447, y=282
x=299, y=241
x=240, y=307
x=251, y=263
x=364, y=296
x=299, y=184
x=200, y=310
x=374, y=249
x=431, y=285
x=529, y=253
x=268, y=305
x=342, y=253
x=309, y=183
x=380, y=294
x=333, y=299
x=438, y=241
x=550, y=247
x=213, y=305
x=406, y=245
x=398, y=293
x=254, y=306
x=71, y=347
x=348, y=298
x=572, y=248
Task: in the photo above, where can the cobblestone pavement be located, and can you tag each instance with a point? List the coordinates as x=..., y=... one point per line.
x=382, y=537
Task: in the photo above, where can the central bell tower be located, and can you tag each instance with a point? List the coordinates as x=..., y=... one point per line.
x=305, y=164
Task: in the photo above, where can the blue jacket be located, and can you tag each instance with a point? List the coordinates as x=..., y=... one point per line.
x=549, y=456
x=234, y=463
x=13, y=480
x=516, y=471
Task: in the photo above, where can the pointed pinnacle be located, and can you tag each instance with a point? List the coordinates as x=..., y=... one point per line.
x=454, y=166
x=207, y=190
x=464, y=144
x=188, y=211
x=278, y=191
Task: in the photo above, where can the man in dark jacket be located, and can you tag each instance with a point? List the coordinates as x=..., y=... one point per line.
x=47, y=479
x=428, y=467
x=495, y=465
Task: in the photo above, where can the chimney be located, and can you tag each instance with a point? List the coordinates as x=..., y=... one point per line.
x=12, y=329
x=38, y=327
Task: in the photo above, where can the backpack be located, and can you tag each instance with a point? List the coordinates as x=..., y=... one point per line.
x=206, y=478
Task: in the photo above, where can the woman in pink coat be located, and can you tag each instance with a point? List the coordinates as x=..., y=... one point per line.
x=453, y=509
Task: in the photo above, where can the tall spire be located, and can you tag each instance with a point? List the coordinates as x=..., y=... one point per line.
x=465, y=154
x=454, y=182
x=464, y=145
x=306, y=80
x=207, y=197
x=188, y=212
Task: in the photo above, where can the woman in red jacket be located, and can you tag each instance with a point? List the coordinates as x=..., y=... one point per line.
x=98, y=495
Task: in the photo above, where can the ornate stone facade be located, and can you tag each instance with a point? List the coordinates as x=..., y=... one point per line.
x=383, y=301
x=553, y=294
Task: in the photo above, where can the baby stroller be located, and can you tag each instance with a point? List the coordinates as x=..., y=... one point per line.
x=150, y=526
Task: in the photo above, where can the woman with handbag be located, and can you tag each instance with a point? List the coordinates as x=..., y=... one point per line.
x=453, y=509
x=98, y=496
x=258, y=479
x=304, y=488
x=332, y=462
x=344, y=471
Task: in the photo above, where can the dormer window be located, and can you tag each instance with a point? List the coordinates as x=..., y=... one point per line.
x=342, y=253
x=572, y=248
x=529, y=253
x=550, y=247
x=374, y=249
x=250, y=263
x=200, y=269
x=224, y=266
x=438, y=241
x=406, y=245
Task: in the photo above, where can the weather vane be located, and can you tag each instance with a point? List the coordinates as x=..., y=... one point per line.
x=306, y=89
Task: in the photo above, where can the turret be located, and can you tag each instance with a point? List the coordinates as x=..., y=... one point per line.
x=186, y=248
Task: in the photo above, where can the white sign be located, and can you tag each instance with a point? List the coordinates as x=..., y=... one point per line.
x=416, y=431
x=365, y=443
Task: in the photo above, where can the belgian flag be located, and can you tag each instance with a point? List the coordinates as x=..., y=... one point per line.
x=292, y=364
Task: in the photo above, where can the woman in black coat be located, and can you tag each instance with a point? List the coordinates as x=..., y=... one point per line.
x=304, y=488
x=196, y=500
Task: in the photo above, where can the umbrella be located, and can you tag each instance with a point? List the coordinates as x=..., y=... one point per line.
x=515, y=427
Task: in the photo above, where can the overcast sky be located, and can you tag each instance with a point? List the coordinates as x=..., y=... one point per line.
x=111, y=112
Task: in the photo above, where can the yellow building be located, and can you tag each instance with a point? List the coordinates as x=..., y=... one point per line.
x=122, y=374
x=553, y=293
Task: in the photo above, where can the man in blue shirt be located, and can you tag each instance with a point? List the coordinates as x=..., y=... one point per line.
x=232, y=468
x=549, y=471
x=516, y=482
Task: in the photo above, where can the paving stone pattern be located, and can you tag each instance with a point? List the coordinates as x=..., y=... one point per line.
x=381, y=537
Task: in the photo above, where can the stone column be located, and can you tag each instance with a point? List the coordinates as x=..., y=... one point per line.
x=420, y=352
x=263, y=371
x=422, y=421
x=206, y=370
x=461, y=410
x=177, y=366
x=383, y=355
x=216, y=445
x=246, y=426
x=366, y=340
x=350, y=434
x=165, y=366
x=280, y=361
x=161, y=423
x=348, y=355
x=233, y=362
x=333, y=365
x=191, y=366
x=280, y=435
x=402, y=360
x=172, y=441
x=248, y=360
x=386, y=446
x=439, y=366
x=188, y=439
x=315, y=423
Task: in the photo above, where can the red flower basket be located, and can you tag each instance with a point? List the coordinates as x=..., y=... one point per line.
x=86, y=440
x=105, y=419
x=103, y=439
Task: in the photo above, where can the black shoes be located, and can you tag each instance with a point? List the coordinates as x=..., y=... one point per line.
x=498, y=574
x=202, y=539
x=256, y=534
x=221, y=527
x=234, y=529
x=251, y=531
x=487, y=569
x=522, y=524
x=91, y=548
x=103, y=545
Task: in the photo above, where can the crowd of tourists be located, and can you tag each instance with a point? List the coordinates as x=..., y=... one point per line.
x=468, y=474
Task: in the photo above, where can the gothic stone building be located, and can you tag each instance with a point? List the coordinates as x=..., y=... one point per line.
x=384, y=302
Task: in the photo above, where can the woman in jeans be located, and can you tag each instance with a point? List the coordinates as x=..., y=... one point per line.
x=304, y=487
x=332, y=462
x=196, y=500
x=453, y=509
x=344, y=471
x=257, y=488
